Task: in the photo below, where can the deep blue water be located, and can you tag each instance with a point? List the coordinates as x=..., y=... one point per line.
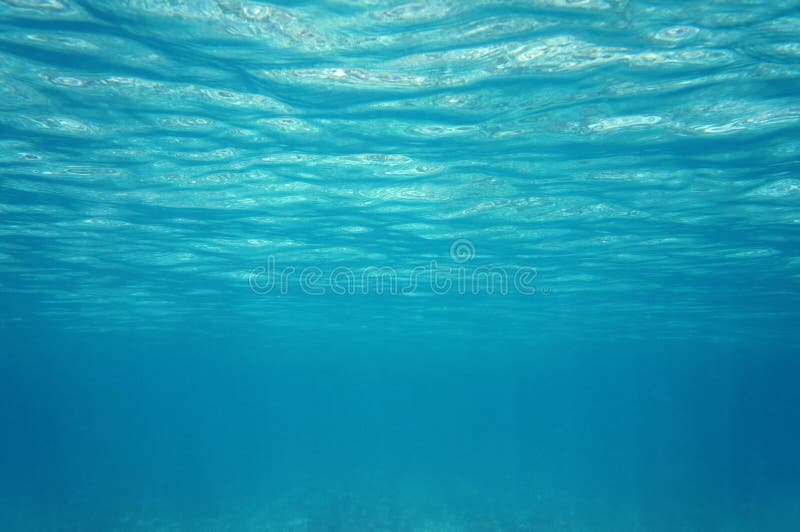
x=385, y=266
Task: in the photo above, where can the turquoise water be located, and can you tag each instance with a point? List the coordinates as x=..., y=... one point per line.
x=377, y=266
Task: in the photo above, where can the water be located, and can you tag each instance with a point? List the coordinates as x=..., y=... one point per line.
x=377, y=266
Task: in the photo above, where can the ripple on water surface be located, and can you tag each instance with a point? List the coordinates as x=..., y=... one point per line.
x=630, y=151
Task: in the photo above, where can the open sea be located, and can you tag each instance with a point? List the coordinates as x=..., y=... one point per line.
x=376, y=266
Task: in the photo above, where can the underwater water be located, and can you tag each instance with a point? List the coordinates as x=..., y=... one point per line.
x=340, y=265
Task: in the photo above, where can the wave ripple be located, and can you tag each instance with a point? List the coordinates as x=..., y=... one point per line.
x=642, y=156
